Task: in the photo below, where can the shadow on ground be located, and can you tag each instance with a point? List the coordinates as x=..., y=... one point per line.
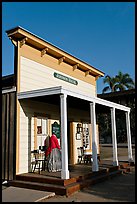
x=119, y=188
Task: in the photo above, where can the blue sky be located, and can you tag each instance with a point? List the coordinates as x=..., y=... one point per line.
x=100, y=33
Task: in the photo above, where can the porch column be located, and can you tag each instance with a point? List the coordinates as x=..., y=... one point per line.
x=94, y=135
x=64, y=143
x=114, y=139
x=130, y=157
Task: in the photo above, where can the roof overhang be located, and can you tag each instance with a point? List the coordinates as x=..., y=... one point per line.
x=8, y=90
x=24, y=36
x=61, y=90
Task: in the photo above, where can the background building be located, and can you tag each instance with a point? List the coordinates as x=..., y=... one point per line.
x=126, y=98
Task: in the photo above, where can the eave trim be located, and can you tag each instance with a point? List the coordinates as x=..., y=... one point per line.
x=44, y=43
x=61, y=90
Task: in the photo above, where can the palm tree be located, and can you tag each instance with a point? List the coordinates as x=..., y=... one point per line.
x=118, y=83
x=124, y=81
x=111, y=81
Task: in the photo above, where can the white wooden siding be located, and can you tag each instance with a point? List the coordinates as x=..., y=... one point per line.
x=32, y=134
x=23, y=143
x=34, y=76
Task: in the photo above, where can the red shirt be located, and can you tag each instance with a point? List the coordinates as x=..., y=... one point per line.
x=53, y=143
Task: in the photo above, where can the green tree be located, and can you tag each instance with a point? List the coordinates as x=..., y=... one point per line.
x=111, y=81
x=118, y=83
x=124, y=81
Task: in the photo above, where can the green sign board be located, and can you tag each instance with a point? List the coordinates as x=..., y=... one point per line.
x=56, y=129
x=65, y=78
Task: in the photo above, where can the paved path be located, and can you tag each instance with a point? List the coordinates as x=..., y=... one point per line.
x=15, y=194
x=120, y=188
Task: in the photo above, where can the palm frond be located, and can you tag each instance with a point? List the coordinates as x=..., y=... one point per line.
x=107, y=88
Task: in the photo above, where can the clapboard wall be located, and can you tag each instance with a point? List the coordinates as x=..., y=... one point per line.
x=8, y=136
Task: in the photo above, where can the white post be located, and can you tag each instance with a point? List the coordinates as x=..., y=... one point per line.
x=64, y=143
x=114, y=139
x=94, y=135
x=130, y=157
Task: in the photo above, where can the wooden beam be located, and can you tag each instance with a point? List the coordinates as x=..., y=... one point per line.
x=96, y=77
x=43, y=52
x=61, y=60
x=23, y=41
x=13, y=41
x=75, y=66
x=87, y=72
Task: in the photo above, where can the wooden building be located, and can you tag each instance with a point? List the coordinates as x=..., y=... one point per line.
x=55, y=91
x=8, y=128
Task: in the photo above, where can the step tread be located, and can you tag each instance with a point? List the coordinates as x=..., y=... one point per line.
x=36, y=183
x=45, y=184
x=60, y=190
x=44, y=179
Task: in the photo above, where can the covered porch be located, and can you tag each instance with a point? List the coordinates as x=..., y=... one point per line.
x=65, y=97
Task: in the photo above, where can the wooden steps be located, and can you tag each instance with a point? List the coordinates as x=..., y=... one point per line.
x=125, y=167
x=59, y=190
x=61, y=186
x=44, y=179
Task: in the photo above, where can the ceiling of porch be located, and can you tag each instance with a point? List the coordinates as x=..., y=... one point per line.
x=72, y=102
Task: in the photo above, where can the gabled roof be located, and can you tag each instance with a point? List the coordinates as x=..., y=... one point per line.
x=18, y=34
